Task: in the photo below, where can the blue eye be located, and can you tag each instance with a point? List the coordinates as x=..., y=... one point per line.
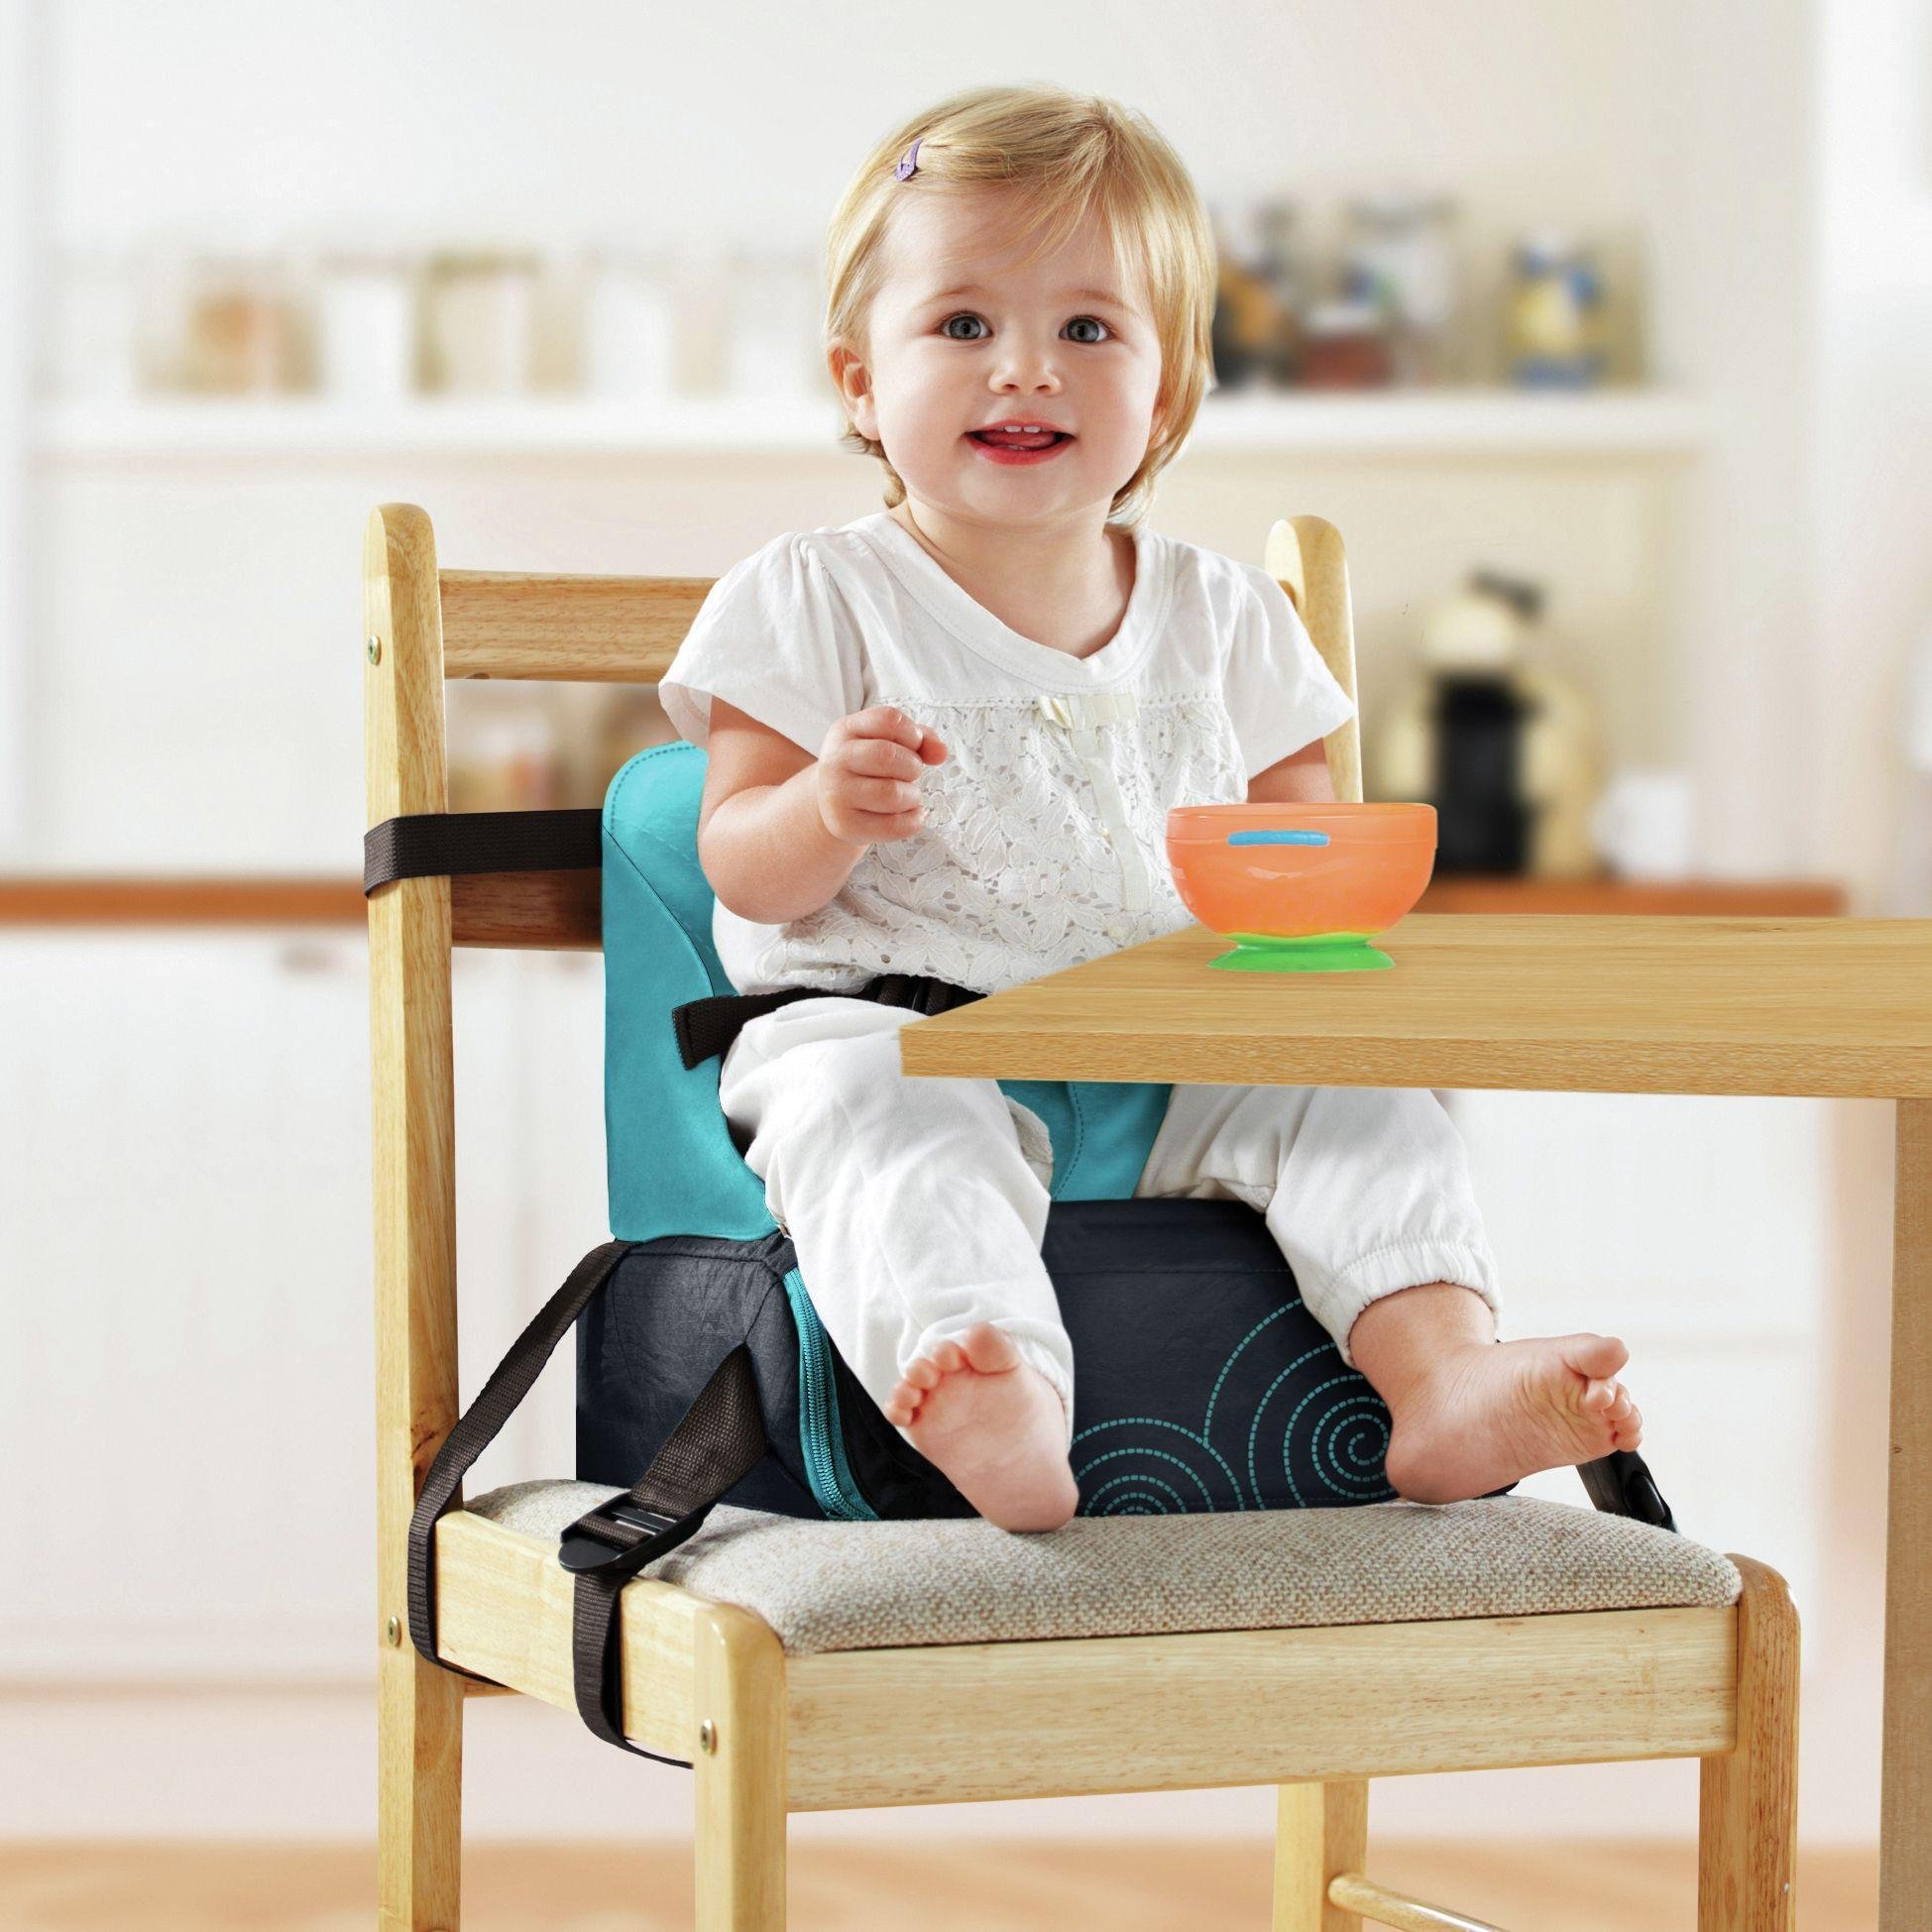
x=967, y=315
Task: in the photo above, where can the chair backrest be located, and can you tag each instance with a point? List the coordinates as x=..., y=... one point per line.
x=422, y=625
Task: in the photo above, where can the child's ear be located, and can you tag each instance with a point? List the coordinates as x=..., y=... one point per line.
x=854, y=389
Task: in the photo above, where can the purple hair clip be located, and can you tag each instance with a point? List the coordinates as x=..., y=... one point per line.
x=909, y=162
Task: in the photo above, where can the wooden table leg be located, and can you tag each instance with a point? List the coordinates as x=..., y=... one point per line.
x=1905, y=1827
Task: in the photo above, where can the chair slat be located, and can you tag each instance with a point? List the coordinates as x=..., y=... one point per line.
x=555, y=912
x=507, y=624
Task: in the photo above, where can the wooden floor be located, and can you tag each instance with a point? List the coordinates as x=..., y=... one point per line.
x=954, y=1885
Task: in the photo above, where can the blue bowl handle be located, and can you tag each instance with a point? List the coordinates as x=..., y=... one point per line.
x=1284, y=837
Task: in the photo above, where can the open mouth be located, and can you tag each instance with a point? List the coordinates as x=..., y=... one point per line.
x=1003, y=446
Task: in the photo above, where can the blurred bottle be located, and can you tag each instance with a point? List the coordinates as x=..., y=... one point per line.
x=244, y=332
x=1400, y=255
x=1553, y=316
x=503, y=749
x=1345, y=346
x=773, y=344
x=479, y=322
x=367, y=315
x=1277, y=263
x=1255, y=330
x=629, y=324
x=701, y=299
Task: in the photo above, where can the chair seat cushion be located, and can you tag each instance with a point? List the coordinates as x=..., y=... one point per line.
x=858, y=1586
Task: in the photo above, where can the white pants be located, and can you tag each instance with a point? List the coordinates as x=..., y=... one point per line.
x=918, y=1207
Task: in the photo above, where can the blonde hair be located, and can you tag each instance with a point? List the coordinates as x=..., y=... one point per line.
x=1060, y=154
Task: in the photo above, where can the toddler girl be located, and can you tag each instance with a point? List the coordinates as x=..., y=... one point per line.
x=943, y=739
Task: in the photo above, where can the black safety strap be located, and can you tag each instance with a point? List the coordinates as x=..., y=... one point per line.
x=432, y=845
x=709, y=1026
x=719, y=1440
x=1620, y=1484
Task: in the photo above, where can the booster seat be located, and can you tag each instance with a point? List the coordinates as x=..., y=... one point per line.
x=1185, y=1400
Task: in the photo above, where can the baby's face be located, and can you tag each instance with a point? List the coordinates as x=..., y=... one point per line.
x=961, y=338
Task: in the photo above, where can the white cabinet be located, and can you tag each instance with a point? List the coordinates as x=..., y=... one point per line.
x=184, y=1235
x=186, y=1403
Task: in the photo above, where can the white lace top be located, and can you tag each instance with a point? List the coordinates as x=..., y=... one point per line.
x=1044, y=842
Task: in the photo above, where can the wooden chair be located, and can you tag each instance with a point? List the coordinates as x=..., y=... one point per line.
x=1317, y=1711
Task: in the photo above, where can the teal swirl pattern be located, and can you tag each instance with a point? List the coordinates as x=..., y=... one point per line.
x=1287, y=1425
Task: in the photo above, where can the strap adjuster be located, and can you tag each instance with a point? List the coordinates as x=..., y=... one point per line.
x=584, y=1548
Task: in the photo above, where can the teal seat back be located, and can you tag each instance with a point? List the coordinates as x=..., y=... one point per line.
x=672, y=1164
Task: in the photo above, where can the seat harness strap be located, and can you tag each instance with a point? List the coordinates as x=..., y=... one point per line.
x=709, y=1026
x=720, y=1440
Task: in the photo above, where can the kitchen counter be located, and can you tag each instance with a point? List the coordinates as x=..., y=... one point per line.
x=70, y=900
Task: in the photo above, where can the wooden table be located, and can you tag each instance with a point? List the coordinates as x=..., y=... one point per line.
x=1542, y=1002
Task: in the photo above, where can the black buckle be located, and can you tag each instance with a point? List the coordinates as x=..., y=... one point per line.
x=1621, y=1484
x=582, y=1549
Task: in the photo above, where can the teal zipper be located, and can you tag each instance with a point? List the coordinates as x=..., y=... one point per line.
x=819, y=1434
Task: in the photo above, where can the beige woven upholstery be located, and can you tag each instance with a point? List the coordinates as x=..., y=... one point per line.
x=858, y=1586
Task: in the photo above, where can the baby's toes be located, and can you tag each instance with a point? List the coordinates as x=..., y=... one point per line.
x=1597, y=1398
x=921, y=1375
x=1629, y=1429
x=949, y=1357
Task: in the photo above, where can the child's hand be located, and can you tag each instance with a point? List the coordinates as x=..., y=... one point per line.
x=867, y=775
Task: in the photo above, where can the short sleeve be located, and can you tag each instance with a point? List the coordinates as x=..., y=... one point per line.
x=1279, y=693
x=774, y=639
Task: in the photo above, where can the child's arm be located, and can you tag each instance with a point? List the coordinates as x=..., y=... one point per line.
x=779, y=831
x=1301, y=778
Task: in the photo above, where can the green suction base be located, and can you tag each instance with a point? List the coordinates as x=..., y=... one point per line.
x=1312, y=953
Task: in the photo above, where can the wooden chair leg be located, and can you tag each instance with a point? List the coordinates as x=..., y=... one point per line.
x=738, y=1760
x=1747, y=1814
x=419, y=1792
x=1320, y=1830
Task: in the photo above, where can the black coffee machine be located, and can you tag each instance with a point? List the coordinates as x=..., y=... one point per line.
x=1477, y=723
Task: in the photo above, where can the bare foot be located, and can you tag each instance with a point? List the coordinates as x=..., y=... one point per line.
x=982, y=1414
x=1489, y=1413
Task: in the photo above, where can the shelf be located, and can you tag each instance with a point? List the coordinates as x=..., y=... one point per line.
x=1410, y=422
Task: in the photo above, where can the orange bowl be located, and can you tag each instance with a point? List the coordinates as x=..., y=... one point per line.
x=1301, y=886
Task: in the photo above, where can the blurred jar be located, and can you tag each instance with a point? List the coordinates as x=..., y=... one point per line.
x=1344, y=346
x=1254, y=333
x=91, y=341
x=629, y=324
x=774, y=326
x=1399, y=254
x=244, y=332
x=1553, y=317
x=478, y=321
x=503, y=750
x=367, y=308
